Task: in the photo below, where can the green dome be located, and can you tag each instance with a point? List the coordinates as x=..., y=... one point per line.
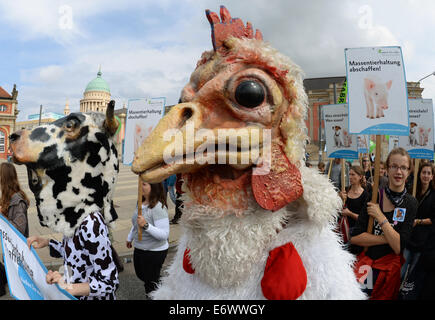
x=98, y=84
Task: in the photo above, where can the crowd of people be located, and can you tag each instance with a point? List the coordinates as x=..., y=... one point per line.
x=394, y=236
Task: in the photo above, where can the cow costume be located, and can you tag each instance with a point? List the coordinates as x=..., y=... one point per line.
x=72, y=167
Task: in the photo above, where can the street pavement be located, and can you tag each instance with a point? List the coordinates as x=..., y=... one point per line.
x=124, y=199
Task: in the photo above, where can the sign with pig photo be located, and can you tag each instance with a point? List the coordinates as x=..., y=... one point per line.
x=339, y=142
x=419, y=143
x=377, y=93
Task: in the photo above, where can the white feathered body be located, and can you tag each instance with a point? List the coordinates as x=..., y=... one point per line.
x=229, y=252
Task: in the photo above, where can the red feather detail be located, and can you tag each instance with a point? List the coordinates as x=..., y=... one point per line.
x=284, y=277
x=225, y=27
x=187, y=266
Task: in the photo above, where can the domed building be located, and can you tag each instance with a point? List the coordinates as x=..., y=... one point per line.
x=96, y=95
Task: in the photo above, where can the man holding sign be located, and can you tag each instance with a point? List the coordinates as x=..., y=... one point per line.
x=378, y=104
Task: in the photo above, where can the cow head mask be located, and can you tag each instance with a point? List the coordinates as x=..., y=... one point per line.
x=72, y=167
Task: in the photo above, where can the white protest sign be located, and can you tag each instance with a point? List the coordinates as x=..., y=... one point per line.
x=377, y=93
x=363, y=143
x=419, y=143
x=340, y=144
x=25, y=271
x=142, y=116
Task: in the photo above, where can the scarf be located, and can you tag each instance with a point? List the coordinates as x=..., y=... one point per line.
x=396, y=198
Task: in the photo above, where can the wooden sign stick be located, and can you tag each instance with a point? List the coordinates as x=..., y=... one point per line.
x=330, y=167
x=376, y=180
x=139, y=207
x=343, y=182
x=414, y=186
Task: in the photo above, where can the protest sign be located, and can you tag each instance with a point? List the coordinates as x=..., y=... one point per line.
x=377, y=93
x=25, y=271
x=363, y=143
x=142, y=116
x=419, y=143
x=340, y=144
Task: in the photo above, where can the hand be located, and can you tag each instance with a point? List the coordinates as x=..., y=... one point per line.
x=374, y=211
x=343, y=196
x=38, y=242
x=53, y=277
x=141, y=221
x=128, y=244
x=346, y=212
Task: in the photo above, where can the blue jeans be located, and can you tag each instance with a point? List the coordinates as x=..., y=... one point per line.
x=411, y=259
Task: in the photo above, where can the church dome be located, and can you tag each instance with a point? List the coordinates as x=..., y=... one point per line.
x=98, y=84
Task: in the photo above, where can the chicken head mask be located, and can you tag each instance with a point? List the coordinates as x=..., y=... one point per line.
x=239, y=125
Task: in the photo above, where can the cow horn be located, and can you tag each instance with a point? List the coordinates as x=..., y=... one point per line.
x=110, y=123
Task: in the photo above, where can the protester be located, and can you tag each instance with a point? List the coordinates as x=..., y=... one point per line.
x=321, y=167
x=88, y=254
x=169, y=186
x=14, y=202
x=335, y=175
x=13, y=205
x=355, y=199
x=412, y=277
x=393, y=220
x=178, y=202
x=366, y=165
x=150, y=252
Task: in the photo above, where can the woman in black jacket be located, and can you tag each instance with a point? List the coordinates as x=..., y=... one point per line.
x=412, y=277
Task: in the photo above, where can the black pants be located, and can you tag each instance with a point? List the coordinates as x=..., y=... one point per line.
x=178, y=205
x=147, y=265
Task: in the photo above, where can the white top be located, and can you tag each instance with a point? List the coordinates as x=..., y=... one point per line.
x=155, y=238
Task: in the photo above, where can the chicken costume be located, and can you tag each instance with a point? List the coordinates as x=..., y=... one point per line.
x=257, y=230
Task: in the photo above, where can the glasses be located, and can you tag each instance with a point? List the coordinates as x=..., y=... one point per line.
x=402, y=168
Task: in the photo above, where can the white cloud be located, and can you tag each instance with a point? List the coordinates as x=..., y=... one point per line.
x=312, y=33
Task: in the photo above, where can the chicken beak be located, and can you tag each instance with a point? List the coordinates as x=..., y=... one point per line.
x=148, y=161
x=160, y=156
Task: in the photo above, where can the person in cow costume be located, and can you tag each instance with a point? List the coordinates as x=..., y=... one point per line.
x=72, y=167
x=248, y=232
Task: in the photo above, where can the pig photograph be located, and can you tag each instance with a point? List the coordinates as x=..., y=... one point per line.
x=376, y=96
x=423, y=136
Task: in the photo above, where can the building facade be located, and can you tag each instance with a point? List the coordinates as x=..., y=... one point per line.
x=8, y=116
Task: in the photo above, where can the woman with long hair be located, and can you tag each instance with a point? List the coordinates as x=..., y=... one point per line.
x=412, y=277
x=354, y=199
x=14, y=202
x=13, y=206
x=393, y=219
x=150, y=252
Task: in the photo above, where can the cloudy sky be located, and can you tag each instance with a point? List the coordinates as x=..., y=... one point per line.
x=52, y=48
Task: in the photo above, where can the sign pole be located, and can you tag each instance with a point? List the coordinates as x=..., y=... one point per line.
x=343, y=168
x=330, y=167
x=376, y=180
x=414, y=186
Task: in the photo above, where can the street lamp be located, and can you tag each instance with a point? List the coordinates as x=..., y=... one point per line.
x=431, y=74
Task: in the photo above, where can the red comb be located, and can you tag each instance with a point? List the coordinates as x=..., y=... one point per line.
x=223, y=28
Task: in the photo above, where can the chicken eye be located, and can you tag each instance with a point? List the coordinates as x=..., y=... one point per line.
x=249, y=94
